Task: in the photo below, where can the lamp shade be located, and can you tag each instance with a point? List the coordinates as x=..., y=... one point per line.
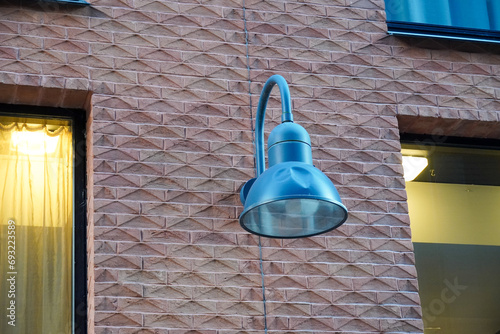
x=292, y=200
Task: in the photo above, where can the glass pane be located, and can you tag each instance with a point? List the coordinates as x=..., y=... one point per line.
x=453, y=206
x=293, y=217
x=36, y=225
x=471, y=14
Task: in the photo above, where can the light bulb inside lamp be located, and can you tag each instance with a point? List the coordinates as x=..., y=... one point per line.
x=301, y=213
x=301, y=207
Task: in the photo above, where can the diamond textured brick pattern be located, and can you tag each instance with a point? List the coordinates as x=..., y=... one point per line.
x=109, y=25
x=392, y=245
x=163, y=236
x=141, y=221
x=20, y=67
x=379, y=284
x=217, y=293
x=345, y=311
x=116, y=181
x=189, y=197
x=139, y=168
x=106, y=304
x=196, y=307
x=239, y=280
x=140, y=143
x=172, y=144
x=167, y=321
x=308, y=296
x=306, y=269
x=114, y=289
x=367, y=325
x=106, y=261
x=373, y=50
x=311, y=243
x=67, y=71
x=116, y=234
x=396, y=272
x=206, y=35
x=181, y=44
x=162, y=291
x=18, y=41
x=379, y=311
x=214, y=239
x=398, y=298
x=355, y=298
x=156, y=306
x=64, y=45
x=328, y=256
x=405, y=258
x=126, y=15
x=285, y=309
x=484, y=93
x=163, y=183
x=375, y=258
x=104, y=247
x=238, y=253
x=312, y=324
x=286, y=282
x=142, y=249
x=116, y=207
x=167, y=264
x=118, y=319
x=243, y=308
x=226, y=322
x=104, y=220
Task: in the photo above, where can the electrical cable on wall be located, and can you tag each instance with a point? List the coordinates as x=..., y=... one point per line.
x=253, y=138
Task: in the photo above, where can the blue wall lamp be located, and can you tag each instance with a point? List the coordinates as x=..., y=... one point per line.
x=291, y=199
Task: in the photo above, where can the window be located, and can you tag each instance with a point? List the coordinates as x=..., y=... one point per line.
x=42, y=220
x=459, y=19
x=70, y=2
x=453, y=199
x=52, y=4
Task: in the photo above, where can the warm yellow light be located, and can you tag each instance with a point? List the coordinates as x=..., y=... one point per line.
x=33, y=142
x=413, y=166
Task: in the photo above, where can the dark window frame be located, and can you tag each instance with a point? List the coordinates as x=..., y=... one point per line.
x=47, y=4
x=464, y=142
x=440, y=31
x=78, y=118
x=442, y=19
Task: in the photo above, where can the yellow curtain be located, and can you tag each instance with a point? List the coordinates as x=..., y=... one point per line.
x=36, y=216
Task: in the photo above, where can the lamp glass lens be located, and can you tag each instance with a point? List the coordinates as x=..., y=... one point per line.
x=293, y=218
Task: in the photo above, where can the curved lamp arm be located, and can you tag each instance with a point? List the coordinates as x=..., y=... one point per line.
x=286, y=116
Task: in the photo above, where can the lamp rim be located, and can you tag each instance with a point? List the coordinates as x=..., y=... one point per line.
x=339, y=204
x=280, y=198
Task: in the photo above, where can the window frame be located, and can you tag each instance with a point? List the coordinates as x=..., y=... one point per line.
x=440, y=31
x=78, y=118
x=464, y=142
x=400, y=22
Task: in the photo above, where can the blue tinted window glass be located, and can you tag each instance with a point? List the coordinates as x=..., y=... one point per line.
x=445, y=18
x=477, y=14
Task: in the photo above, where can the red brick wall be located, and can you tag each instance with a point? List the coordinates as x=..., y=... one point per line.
x=172, y=144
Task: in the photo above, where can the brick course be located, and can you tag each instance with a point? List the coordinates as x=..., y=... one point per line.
x=171, y=143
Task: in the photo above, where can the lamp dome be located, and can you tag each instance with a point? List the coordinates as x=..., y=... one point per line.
x=292, y=200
